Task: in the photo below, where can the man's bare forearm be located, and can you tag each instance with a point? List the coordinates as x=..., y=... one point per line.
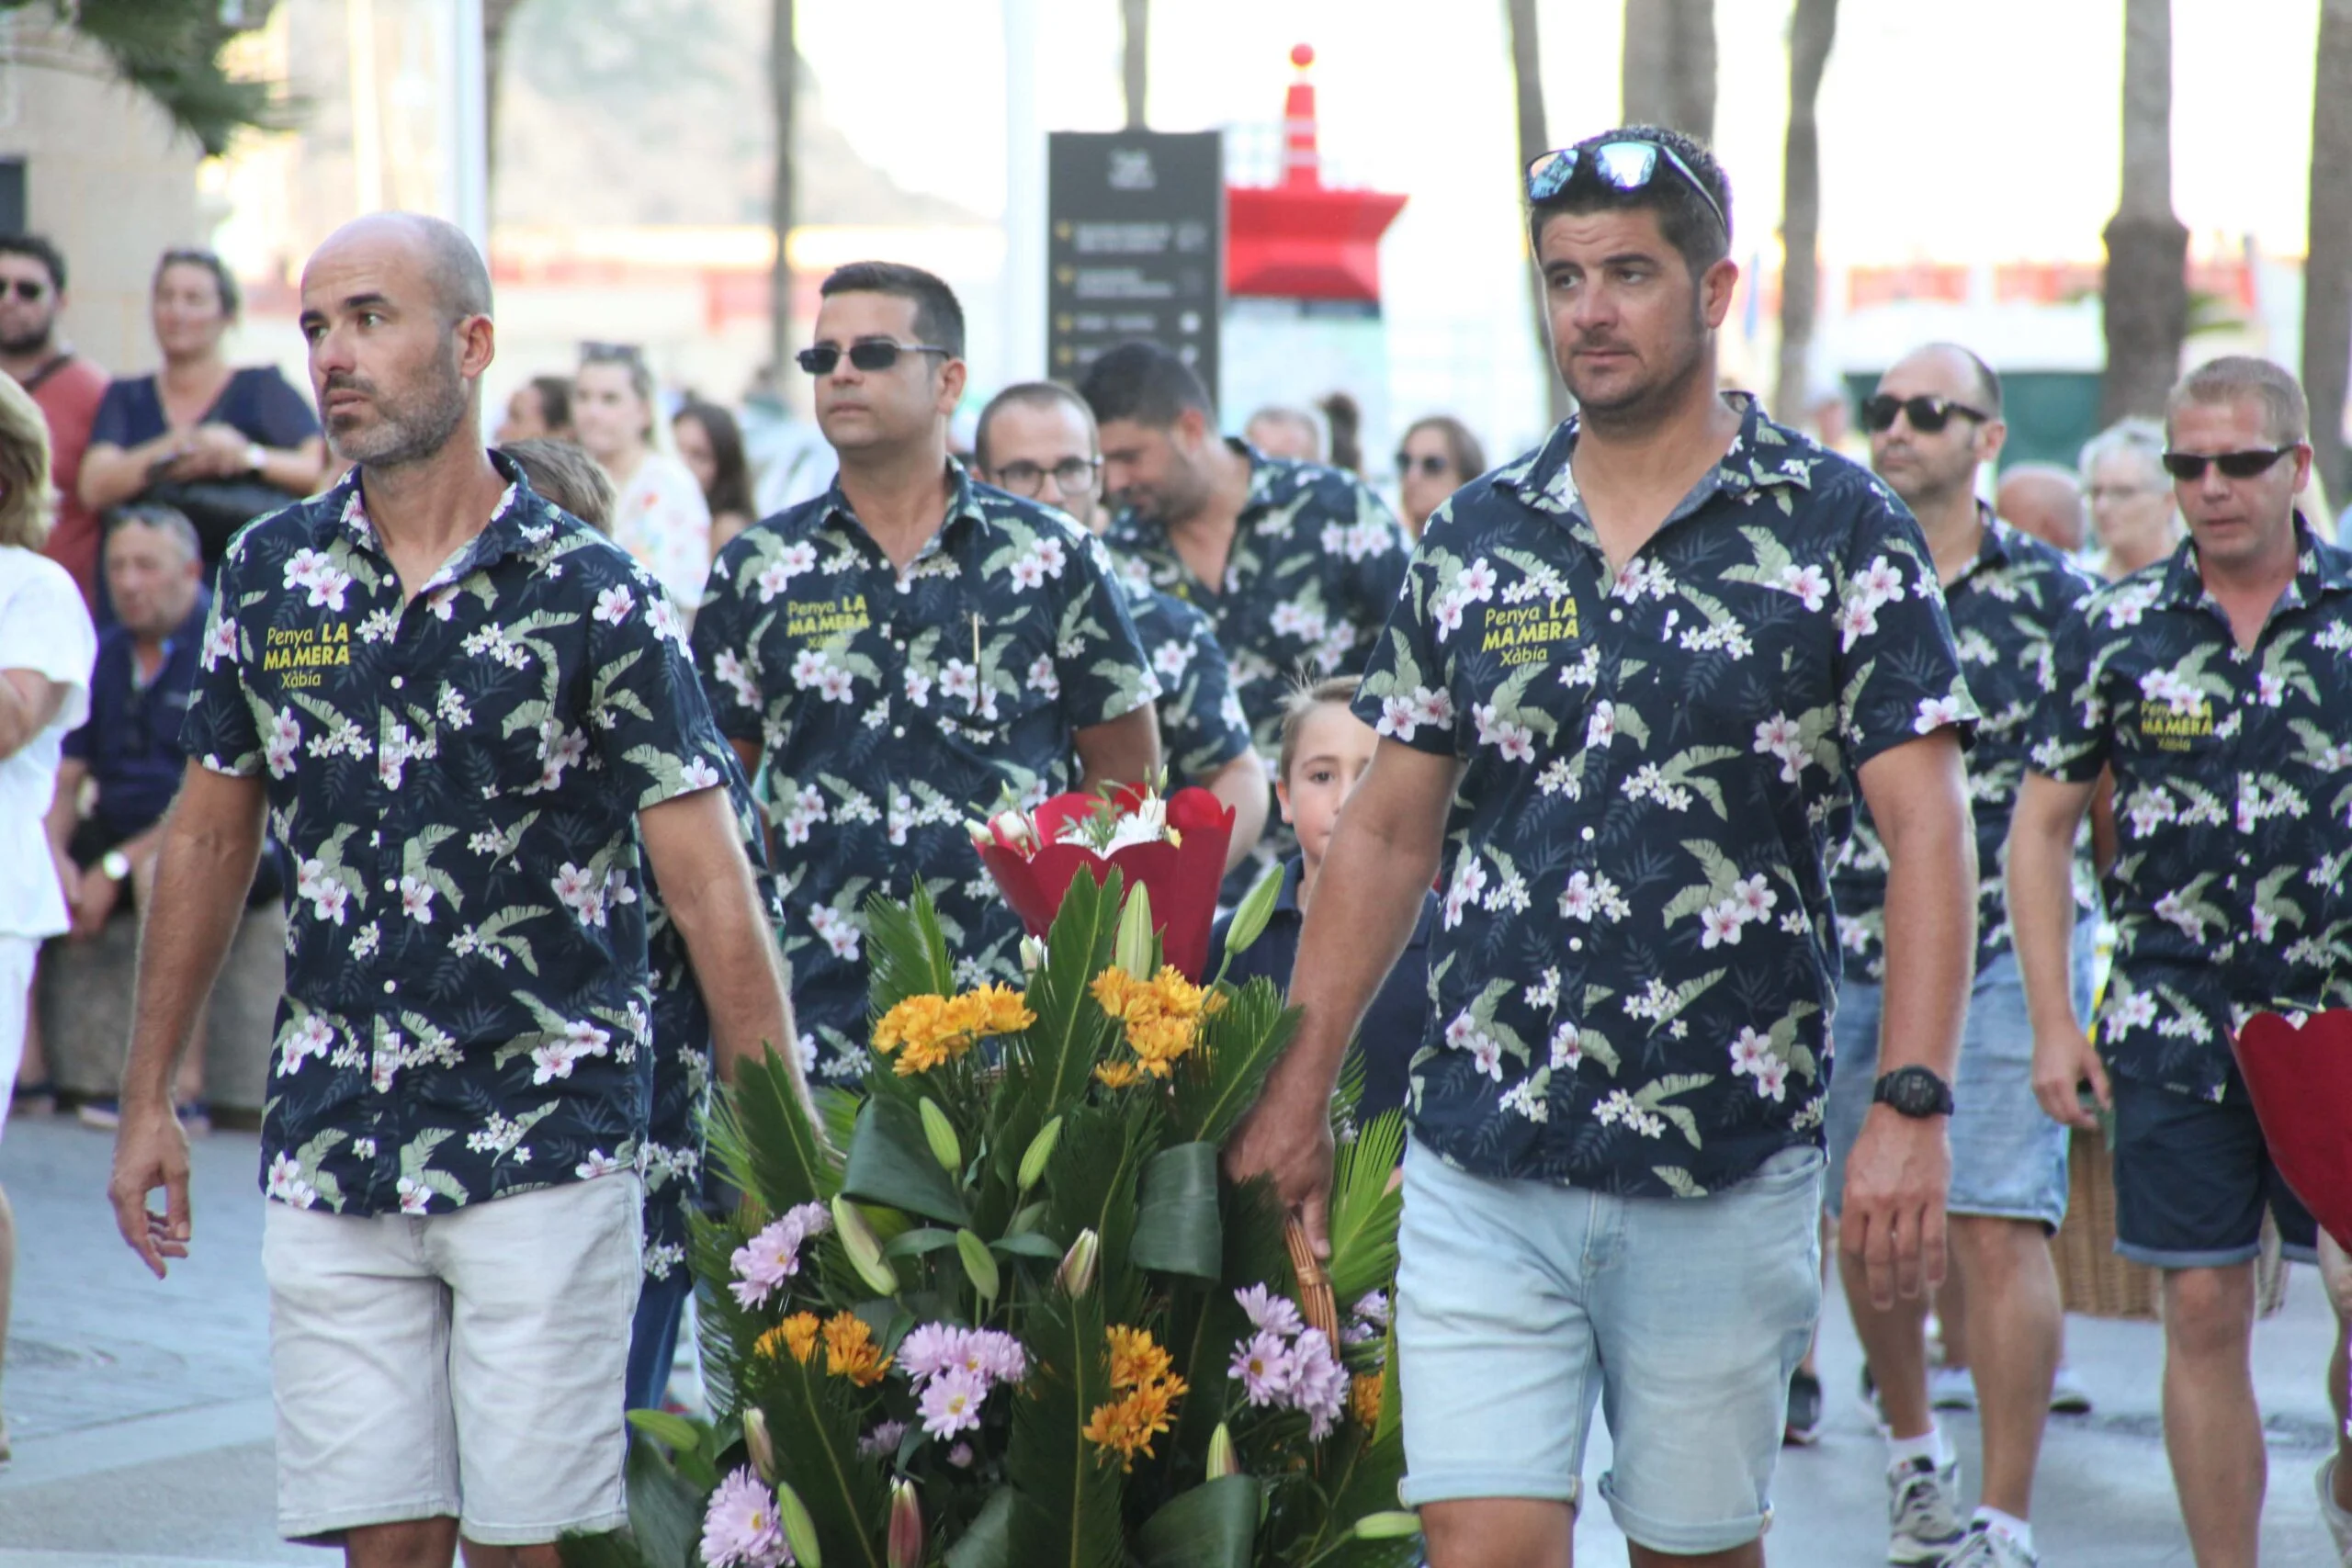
x=202, y=872
x=1930, y=946
x=742, y=976
x=1121, y=751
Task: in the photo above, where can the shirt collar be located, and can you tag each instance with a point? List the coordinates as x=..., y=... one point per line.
x=343, y=510
x=1761, y=456
x=2319, y=570
x=1995, y=546
x=963, y=501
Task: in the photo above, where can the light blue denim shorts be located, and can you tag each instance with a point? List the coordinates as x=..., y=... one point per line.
x=2008, y=1158
x=1520, y=1304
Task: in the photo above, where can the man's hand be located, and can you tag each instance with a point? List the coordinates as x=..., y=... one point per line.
x=1287, y=1136
x=2064, y=1059
x=1894, y=1220
x=151, y=1150
x=94, y=906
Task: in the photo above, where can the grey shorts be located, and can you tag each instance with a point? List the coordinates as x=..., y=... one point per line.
x=2008, y=1158
x=466, y=1365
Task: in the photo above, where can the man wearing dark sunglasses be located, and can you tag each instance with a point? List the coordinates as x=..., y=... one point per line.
x=2216, y=686
x=1934, y=421
x=905, y=649
x=67, y=387
x=1624, y=700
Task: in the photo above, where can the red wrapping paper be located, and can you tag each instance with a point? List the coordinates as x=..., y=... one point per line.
x=2301, y=1082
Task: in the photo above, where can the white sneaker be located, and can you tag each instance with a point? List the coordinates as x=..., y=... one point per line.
x=1952, y=1388
x=2068, y=1394
x=2339, y=1522
x=1923, y=1512
x=1988, y=1548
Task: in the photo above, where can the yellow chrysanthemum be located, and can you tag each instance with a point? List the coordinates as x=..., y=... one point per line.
x=1363, y=1395
x=1160, y=1016
x=850, y=1350
x=1118, y=1075
x=915, y=1018
x=796, y=1334
x=1127, y=1426
x=921, y=1032
x=1134, y=1359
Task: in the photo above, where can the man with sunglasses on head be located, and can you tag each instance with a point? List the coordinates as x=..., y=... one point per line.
x=1036, y=440
x=1933, y=422
x=1295, y=564
x=1632, y=683
x=907, y=650
x=2216, y=684
x=66, y=387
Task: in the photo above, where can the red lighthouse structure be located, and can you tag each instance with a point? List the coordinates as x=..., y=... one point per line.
x=1301, y=239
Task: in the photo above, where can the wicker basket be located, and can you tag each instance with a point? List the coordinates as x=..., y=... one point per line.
x=2092, y=1279
x=1316, y=1302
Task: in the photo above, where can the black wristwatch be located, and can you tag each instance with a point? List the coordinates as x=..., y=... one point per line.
x=1912, y=1092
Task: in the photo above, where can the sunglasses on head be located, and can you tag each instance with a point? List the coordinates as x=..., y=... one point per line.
x=2236, y=465
x=1927, y=414
x=870, y=354
x=28, y=288
x=610, y=353
x=1623, y=165
x=1430, y=464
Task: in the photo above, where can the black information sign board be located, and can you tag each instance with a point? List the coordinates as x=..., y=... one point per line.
x=1135, y=245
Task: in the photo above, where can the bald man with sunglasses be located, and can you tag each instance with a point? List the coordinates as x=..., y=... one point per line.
x=2216, y=684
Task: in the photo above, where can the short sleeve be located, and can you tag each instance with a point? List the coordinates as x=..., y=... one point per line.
x=724, y=652
x=1405, y=696
x=110, y=426
x=1202, y=726
x=45, y=627
x=219, y=730
x=652, y=725
x=2071, y=735
x=1104, y=672
x=1898, y=673
x=274, y=413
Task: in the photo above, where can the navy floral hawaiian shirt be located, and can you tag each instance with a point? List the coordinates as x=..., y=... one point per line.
x=891, y=707
x=455, y=780
x=2232, y=801
x=670, y=1160
x=1315, y=567
x=1200, y=724
x=2006, y=610
x=1635, y=959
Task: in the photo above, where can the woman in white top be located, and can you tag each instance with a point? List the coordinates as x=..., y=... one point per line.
x=46, y=650
x=661, y=519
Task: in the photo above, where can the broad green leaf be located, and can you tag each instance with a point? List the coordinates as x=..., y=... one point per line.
x=1213, y=1526
x=914, y=1242
x=890, y=1162
x=664, y=1513
x=1177, y=1227
x=987, y=1543
x=1030, y=1244
x=675, y=1431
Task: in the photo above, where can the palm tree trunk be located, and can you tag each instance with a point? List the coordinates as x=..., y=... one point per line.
x=2327, y=275
x=1527, y=85
x=497, y=17
x=783, y=83
x=1811, y=35
x=2147, y=247
x=1669, y=65
x=1134, y=57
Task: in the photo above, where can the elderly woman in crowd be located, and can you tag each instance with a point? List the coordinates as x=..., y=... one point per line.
x=662, y=520
x=46, y=647
x=2132, y=514
x=1437, y=456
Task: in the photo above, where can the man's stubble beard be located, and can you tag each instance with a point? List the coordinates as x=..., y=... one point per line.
x=409, y=434
x=32, y=343
x=1647, y=405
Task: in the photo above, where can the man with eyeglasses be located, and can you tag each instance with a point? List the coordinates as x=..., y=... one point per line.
x=1933, y=422
x=64, y=386
x=1295, y=564
x=2218, y=687
x=1632, y=681
x=907, y=650
x=1036, y=440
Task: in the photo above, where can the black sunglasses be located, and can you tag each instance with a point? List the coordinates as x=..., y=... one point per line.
x=2236, y=465
x=28, y=288
x=610, y=353
x=1430, y=464
x=870, y=354
x=1627, y=166
x=1927, y=414
x=1072, y=475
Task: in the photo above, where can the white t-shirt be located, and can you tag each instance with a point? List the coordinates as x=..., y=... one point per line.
x=664, y=522
x=43, y=628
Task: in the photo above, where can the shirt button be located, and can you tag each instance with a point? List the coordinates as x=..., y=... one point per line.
x=899, y=732
x=1616, y=615
x=390, y=986
x=1587, y=835
x=396, y=682
x=391, y=885
x=1576, y=945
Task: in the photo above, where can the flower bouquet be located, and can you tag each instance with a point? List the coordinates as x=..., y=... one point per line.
x=1024, y=1321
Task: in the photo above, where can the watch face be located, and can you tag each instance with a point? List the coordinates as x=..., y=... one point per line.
x=1914, y=1091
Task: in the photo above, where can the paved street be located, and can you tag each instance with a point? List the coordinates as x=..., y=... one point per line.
x=140, y=1411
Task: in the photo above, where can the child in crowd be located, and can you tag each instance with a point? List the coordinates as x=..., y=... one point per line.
x=1325, y=748
x=564, y=473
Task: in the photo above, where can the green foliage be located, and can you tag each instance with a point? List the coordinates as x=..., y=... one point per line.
x=1365, y=1208
x=764, y=1142
x=1066, y=1512
x=170, y=50
x=890, y=1162
x=814, y=1420
x=1218, y=1083
x=1210, y=1526
x=1177, y=1228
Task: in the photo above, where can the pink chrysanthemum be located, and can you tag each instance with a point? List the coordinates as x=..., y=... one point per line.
x=951, y=1402
x=1266, y=1367
x=1275, y=1313
x=740, y=1528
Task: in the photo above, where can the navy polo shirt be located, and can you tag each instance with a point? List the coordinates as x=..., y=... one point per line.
x=131, y=742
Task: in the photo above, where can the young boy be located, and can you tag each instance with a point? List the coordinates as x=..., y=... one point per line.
x=1325, y=751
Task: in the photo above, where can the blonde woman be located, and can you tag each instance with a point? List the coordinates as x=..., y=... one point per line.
x=2133, y=515
x=663, y=519
x=46, y=647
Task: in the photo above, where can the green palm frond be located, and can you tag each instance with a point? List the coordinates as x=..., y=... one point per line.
x=1365, y=1209
x=1238, y=1047
x=765, y=1142
x=1067, y=1514
x=814, y=1427
x=170, y=50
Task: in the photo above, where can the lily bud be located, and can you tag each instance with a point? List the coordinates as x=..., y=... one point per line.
x=1033, y=955
x=1075, y=1275
x=1132, y=951
x=799, y=1530
x=755, y=1439
x=982, y=839
x=941, y=1135
x=1249, y=916
x=1041, y=1149
x=1221, y=1460
x=1392, y=1524
x=979, y=1263
x=906, y=1538
x=865, y=1248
